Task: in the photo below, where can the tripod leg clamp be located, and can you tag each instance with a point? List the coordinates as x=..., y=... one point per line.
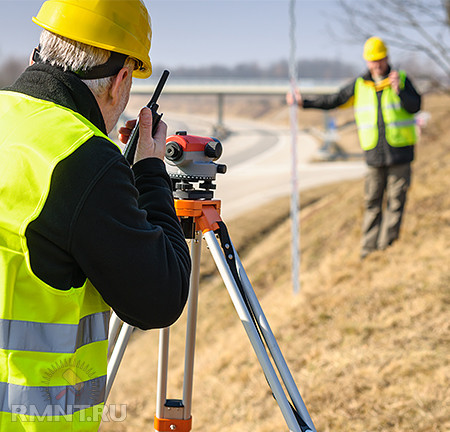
x=173, y=425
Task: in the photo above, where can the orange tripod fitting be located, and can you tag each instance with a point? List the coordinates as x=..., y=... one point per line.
x=204, y=212
x=171, y=425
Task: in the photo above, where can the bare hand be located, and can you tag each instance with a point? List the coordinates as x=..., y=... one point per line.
x=147, y=146
x=125, y=131
x=294, y=98
x=394, y=79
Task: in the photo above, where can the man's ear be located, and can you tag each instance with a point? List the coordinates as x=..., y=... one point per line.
x=118, y=81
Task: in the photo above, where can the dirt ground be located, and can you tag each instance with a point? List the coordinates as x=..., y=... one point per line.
x=367, y=342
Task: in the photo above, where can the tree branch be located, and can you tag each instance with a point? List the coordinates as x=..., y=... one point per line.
x=411, y=25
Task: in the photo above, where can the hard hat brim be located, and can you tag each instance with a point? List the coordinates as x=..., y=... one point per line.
x=102, y=30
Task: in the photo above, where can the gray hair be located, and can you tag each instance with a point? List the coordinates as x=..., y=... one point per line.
x=76, y=56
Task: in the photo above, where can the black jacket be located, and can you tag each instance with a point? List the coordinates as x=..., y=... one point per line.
x=383, y=154
x=105, y=222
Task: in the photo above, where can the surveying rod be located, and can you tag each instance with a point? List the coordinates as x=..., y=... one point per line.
x=295, y=220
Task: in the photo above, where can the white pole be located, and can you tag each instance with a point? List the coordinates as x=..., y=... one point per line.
x=295, y=205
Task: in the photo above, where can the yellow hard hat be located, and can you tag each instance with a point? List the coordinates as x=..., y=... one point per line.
x=374, y=49
x=122, y=26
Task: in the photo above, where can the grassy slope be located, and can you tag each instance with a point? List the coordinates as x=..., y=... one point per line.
x=367, y=342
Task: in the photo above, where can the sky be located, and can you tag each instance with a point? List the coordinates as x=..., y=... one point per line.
x=205, y=32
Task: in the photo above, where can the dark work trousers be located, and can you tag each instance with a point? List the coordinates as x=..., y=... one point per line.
x=384, y=198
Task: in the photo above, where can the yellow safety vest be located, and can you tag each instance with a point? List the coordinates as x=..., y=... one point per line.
x=53, y=343
x=399, y=123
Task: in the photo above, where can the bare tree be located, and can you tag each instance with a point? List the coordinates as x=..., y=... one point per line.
x=417, y=26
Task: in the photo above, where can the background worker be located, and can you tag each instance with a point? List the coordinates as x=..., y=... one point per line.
x=80, y=231
x=384, y=102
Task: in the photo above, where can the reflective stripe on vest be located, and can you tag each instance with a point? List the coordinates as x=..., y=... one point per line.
x=53, y=343
x=399, y=124
x=53, y=337
x=65, y=399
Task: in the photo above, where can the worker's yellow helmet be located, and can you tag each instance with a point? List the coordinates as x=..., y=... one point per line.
x=122, y=26
x=374, y=49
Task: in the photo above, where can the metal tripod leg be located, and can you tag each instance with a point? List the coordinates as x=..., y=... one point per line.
x=272, y=344
x=255, y=339
x=174, y=414
x=114, y=324
x=191, y=328
x=118, y=351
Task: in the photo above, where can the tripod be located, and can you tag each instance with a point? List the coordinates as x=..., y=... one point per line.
x=200, y=218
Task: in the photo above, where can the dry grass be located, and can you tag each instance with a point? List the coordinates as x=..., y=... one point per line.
x=367, y=342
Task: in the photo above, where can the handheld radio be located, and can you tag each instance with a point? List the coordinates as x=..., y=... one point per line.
x=130, y=149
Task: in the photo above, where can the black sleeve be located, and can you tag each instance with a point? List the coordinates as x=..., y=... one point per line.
x=410, y=99
x=124, y=236
x=128, y=241
x=327, y=102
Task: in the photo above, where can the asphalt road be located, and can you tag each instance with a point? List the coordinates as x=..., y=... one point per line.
x=258, y=159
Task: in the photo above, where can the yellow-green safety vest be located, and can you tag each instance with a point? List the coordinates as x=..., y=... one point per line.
x=53, y=343
x=399, y=123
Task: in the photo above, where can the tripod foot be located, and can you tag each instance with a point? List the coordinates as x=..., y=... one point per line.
x=173, y=425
